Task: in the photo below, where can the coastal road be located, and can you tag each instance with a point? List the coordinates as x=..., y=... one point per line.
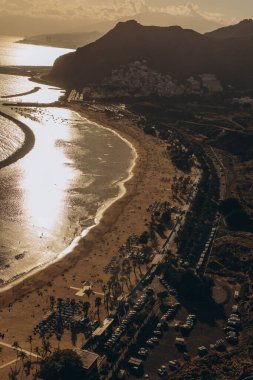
x=181, y=218
x=222, y=174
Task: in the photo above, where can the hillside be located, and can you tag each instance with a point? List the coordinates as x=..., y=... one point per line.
x=241, y=30
x=67, y=40
x=173, y=50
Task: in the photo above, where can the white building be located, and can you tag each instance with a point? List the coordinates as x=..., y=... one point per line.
x=211, y=83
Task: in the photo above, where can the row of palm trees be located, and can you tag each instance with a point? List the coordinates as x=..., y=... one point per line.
x=115, y=286
x=21, y=372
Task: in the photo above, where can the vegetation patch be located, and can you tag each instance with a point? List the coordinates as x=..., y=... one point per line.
x=62, y=365
x=236, y=217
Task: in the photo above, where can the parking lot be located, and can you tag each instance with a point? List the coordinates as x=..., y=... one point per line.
x=193, y=338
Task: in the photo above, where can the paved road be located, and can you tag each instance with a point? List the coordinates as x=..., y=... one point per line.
x=9, y=363
x=181, y=218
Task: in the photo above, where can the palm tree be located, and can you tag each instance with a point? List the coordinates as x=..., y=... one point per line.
x=116, y=272
x=13, y=374
x=88, y=292
x=86, y=306
x=52, y=301
x=107, y=298
x=122, y=280
x=37, y=350
x=28, y=366
x=16, y=346
x=139, y=265
x=46, y=347
x=109, y=285
x=104, y=288
x=29, y=340
x=73, y=305
x=22, y=356
x=59, y=304
x=98, y=304
x=128, y=271
x=134, y=263
x=116, y=287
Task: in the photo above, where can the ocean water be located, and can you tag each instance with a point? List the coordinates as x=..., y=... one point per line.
x=16, y=54
x=53, y=194
x=14, y=85
x=9, y=143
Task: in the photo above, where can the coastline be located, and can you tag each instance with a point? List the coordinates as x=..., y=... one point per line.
x=27, y=145
x=35, y=89
x=35, y=280
x=16, y=280
x=24, y=305
x=79, y=240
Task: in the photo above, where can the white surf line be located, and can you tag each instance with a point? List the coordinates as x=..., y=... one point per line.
x=11, y=284
x=29, y=353
x=9, y=363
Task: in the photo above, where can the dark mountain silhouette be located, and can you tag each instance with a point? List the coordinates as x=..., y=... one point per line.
x=173, y=50
x=243, y=29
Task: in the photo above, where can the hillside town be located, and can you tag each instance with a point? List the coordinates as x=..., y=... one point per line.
x=138, y=80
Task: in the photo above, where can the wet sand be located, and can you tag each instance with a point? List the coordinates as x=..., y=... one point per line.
x=23, y=306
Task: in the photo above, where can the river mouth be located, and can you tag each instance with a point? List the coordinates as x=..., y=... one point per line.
x=57, y=192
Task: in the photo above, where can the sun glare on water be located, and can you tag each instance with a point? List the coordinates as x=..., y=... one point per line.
x=17, y=54
x=47, y=173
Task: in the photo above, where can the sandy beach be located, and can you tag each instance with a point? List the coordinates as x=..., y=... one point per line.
x=23, y=306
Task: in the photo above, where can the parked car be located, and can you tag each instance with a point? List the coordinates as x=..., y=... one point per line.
x=150, y=343
x=180, y=342
x=161, y=372
x=143, y=352
x=202, y=351
x=158, y=333
x=186, y=356
x=173, y=364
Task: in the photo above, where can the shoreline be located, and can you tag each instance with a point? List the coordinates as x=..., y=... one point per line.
x=27, y=145
x=35, y=89
x=16, y=280
x=36, y=280
x=26, y=41
x=25, y=305
x=80, y=239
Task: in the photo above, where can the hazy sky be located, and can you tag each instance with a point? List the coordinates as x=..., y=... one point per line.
x=27, y=15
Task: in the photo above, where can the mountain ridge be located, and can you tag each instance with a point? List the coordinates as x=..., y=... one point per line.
x=243, y=29
x=173, y=50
